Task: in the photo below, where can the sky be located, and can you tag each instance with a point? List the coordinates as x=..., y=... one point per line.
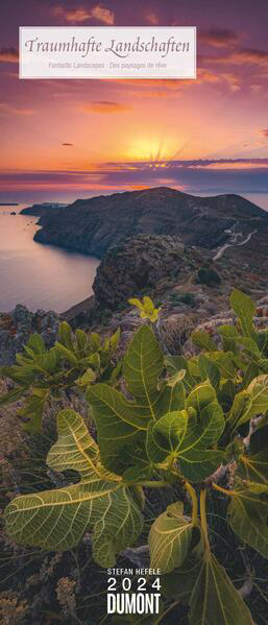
x=63, y=139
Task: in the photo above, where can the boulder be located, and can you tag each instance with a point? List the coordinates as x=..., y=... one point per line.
x=135, y=267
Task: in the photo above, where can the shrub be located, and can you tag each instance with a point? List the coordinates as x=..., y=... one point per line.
x=188, y=422
x=210, y=277
x=47, y=375
x=183, y=298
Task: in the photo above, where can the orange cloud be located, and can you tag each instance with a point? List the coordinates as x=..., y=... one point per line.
x=9, y=55
x=206, y=76
x=98, y=13
x=139, y=187
x=106, y=106
x=151, y=88
x=103, y=15
x=264, y=133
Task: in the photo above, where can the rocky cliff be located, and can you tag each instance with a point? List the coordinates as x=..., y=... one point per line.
x=140, y=265
x=92, y=226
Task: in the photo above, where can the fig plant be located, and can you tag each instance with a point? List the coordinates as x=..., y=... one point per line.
x=200, y=422
x=43, y=375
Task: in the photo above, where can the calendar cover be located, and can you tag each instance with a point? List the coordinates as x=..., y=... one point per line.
x=133, y=312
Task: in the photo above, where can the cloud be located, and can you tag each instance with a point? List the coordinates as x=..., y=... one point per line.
x=256, y=89
x=151, y=88
x=103, y=15
x=106, y=106
x=219, y=37
x=8, y=109
x=9, y=55
x=98, y=13
x=208, y=176
x=206, y=76
x=241, y=56
x=152, y=18
x=221, y=163
x=232, y=80
x=250, y=55
x=175, y=88
x=68, y=144
x=264, y=133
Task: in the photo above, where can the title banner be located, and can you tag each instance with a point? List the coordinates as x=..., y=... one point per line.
x=108, y=52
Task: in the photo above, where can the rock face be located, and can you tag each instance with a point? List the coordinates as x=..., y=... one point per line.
x=16, y=327
x=137, y=266
x=92, y=226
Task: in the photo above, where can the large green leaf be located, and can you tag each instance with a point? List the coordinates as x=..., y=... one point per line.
x=180, y=582
x=254, y=465
x=224, y=361
x=33, y=410
x=170, y=539
x=229, y=334
x=232, y=339
x=66, y=353
x=65, y=335
x=209, y=370
x=203, y=340
x=248, y=514
x=100, y=502
x=201, y=396
x=239, y=407
x=244, y=308
x=143, y=365
x=165, y=437
x=189, y=439
x=251, y=402
x=122, y=423
x=142, y=369
x=36, y=344
x=214, y=599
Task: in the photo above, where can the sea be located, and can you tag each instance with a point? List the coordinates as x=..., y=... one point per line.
x=39, y=276
x=43, y=276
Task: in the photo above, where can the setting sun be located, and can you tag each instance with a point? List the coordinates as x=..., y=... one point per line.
x=152, y=149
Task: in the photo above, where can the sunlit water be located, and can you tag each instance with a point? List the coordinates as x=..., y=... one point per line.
x=43, y=276
x=36, y=275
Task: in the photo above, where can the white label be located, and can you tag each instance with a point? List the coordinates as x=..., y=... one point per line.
x=108, y=52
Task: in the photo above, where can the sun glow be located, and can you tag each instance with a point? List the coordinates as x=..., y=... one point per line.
x=152, y=150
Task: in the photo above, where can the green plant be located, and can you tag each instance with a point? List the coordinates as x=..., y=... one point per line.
x=46, y=375
x=183, y=298
x=194, y=422
x=146, y=307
